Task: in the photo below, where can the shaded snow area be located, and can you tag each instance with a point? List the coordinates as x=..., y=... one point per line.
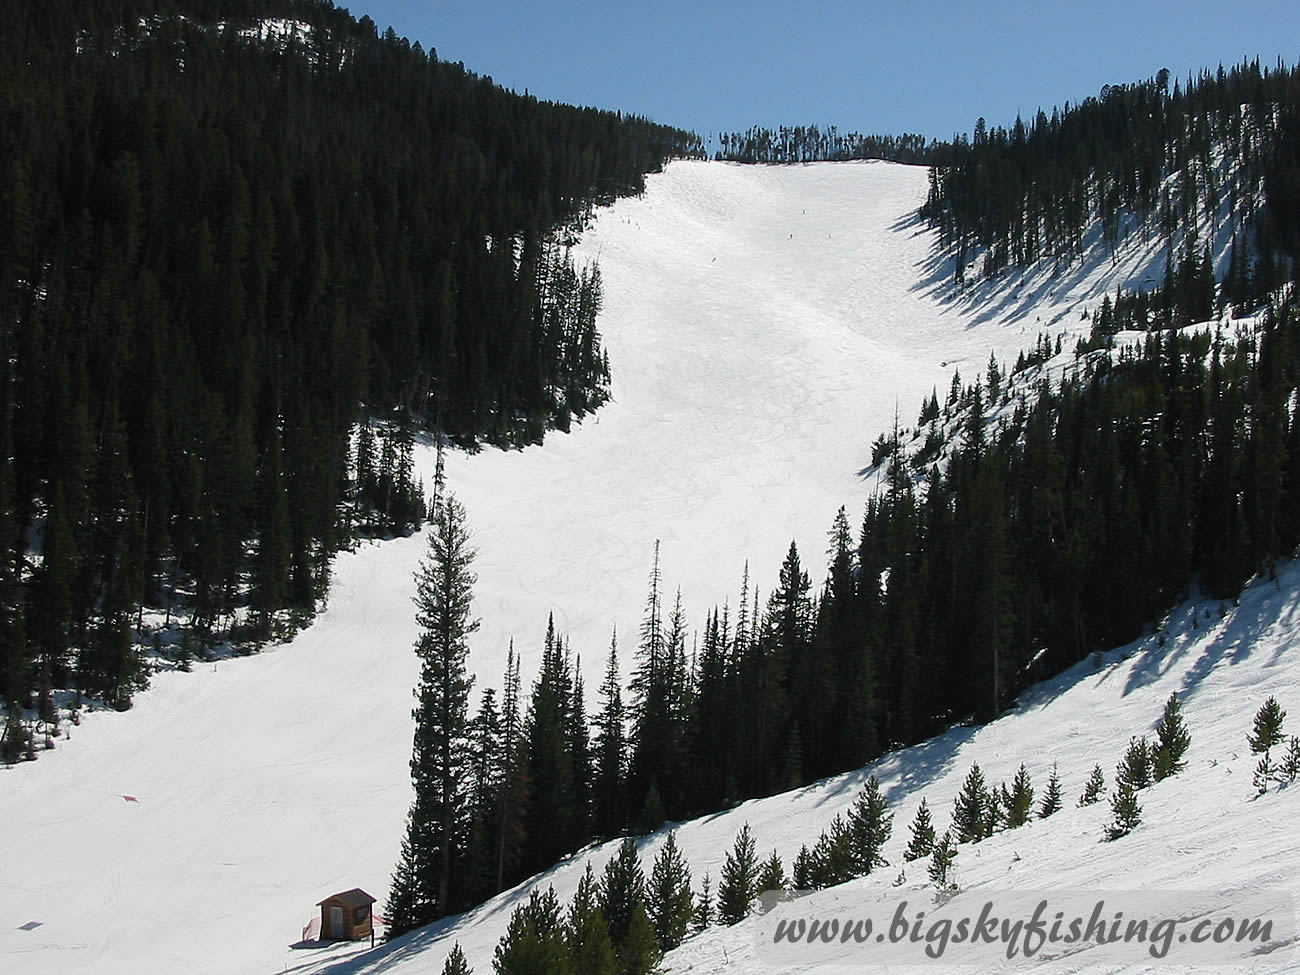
x=763, y=325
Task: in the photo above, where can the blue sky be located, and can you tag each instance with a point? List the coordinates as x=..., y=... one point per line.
x=931, y=68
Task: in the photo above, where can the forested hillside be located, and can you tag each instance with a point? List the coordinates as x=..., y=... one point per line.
x=1224, y=146
x=231, y=230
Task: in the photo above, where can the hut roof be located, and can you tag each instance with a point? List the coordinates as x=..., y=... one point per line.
x=356, y=897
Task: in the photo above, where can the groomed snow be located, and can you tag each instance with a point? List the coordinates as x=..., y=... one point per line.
x=763, y=325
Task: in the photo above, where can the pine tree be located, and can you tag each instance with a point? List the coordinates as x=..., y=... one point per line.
x=535, y=941
x=590, y=945
x=1264, y=773
x=1125, y=812
x=609, y=787
x=622, y=890
x=703, y=915
x=1173, y=740
x=1289, y=767
x=771, y=874
x=870, y=825
x=1052, y=797
x=975, y=813
x=832, y=856
x=942, y=860
x=442, y=752
x=804, y=869
x=639, y=954
x=668, y=898
x=922, y=842
x=1019, y=802
x=1136, y=770
x=739, y=883
x=1094, y=788
x=456, y=963
x=1268, y=727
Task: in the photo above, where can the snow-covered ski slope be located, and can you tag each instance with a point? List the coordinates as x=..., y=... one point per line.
x=763, y=325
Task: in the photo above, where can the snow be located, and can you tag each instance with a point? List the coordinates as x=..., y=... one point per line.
x=763, y=324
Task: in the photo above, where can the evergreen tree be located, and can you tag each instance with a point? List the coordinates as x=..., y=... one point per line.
x=1136, y=770
x=437, y=821
x=974, y=814
x=870, y=824
x=738, y=885
x=668, y=898
x=622, y=890
x=609, y=787
x=1019, y=802
x=1267, y=732
x=1172, y=739
x=703, y=915
x=922, y=842
x=1052, y=797
x=1264, y=773
x=590, y=945
x=1289, y=767
x=639, y=954
x=1125, y=812
x=941, y=862
x=534, y=942
x=456, y=963
x=771, y=874
x=1094, y=788
x=833, y=860
x=804, y=869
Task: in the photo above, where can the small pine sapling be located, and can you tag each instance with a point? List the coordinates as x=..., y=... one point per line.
x=1268, y=727
x=922, y=841
x=1264, y=773
x=1052, y=797
x=703, y=915
x=1172, y=741
x=771, y=875
x=1289, y=767
x=941, y=862
x=1125, y=812
x=1094, y=788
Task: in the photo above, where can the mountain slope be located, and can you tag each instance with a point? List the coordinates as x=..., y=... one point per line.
x=763, y=325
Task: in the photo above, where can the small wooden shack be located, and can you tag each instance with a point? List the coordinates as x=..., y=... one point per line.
x=346, y=916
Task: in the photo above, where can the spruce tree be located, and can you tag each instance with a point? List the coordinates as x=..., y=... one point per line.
x=535, y=941
x=1052, y=797
x=703, y=914
x=922, y=842
x=668, y=898
x=609, y=788
x=1094, y=788
x=622, y=890
x=1136, y=769
x=804, y=869
x=590, y=945
x=1019, y=802
x=738, y=885
x=456, y=963
x=1267, y=732
x=1289, y=767
x=1125, y=812
x=1264, y=773
x=1172, y=741
x=975, y=813
x=437, y=822
x=941, y=861
x=832, y=856
x=870, y=825
x=771, y=875
x=638, y=954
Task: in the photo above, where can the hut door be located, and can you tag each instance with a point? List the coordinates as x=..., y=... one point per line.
x=336, y=923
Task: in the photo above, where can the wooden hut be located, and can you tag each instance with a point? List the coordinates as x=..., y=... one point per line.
x=347, y=916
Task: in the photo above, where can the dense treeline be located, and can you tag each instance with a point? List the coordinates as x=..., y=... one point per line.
x=1062, y=528
x=809, y=143
x=1136, y=157
x=223, y=243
